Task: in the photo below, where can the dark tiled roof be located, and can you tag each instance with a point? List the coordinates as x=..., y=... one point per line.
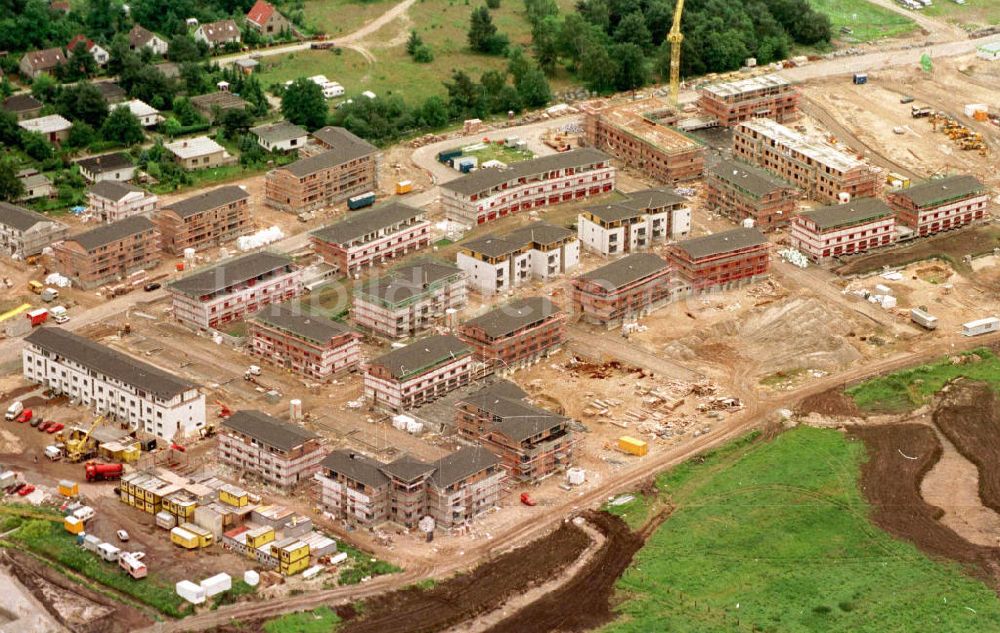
x=21, y=103
x=19, y=218
x=229, y=273
x=292, y=319
x=540, y=233
x=46, y=59
x=207, y=201
x=110, y=90
x=493, y=246
x=222, y=100
x=139, y=36
x=422, y=355
x=626, y=270
x=221, y=31
x=355, y=466
x=278, y=132
x=359, y=224
x=343, y=147
x=109, y=362
x=407, y=281
x=499, y=389
x=854, y=212
x=105, y=162
x=407, y=468
x=109, y=233
x=462, y=464
x=520, y=420
x=513, y=316
x=758, y=182
x=722, y=242
x=485, y=179
x=268, y=430
x=113, y=190
x=938, y=191
x=637, y=204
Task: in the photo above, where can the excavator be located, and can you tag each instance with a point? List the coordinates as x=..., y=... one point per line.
x=675, y=37
x=76, y=448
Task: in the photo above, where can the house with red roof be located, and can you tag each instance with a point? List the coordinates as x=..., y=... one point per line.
x=99, y=54
x=265, y=18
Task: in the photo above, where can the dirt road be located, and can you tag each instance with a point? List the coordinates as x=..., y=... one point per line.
x=610, y=344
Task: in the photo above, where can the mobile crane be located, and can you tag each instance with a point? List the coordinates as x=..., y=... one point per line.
x=76, y=448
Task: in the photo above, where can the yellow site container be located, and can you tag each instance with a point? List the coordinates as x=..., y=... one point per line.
x=73, y=525
x=68, y=488
x=259, y=537
x=234, y=496
x=293, y=558
x=205, y=538
x=180, y=536
x=632, y=446
x=404, y=186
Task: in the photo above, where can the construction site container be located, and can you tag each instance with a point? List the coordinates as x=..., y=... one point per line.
x=37, y=317
x=217, y=584
x=205, y=538
x=981, y=326
x=234, y=496
x=191, y=592
x=260, y=536
x=53, y=452
x=187, y=540
x=68, y=488
x=73, y=525
x=404, y=186
x=448, y=155
x=576, y=476
x=361, y=201
x=36, y=287
x=7, y=478
x=632, y=446
x=293, y=557
x=860, y=79
x=251, y=578
x=49, y=294
x=312, y=572
x=923, y=319
x=165, y=520
x=108, y=552
x=91, y=543
x=339, y=558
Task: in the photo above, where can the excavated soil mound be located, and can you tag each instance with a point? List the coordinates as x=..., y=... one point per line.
x=831, y=402
x=898, y=458
x=968, y=414
x=466, y=596
x=583, y=603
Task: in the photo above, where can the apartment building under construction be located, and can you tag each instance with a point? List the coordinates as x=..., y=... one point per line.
x=733, y=102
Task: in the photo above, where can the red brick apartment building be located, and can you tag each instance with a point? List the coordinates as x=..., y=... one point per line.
x=721, y=261
x=419, y=373
x=844, y=229
x=277, y=452
x=487, y=194
x=234, y=289
x=531, y=443
x=345, y=166
x=739, y=191
x=940, y=205
x=516, y=333
x=733, y=102
x=205, y=220
x=639, y=134
x=109, y=253
x=310, y=345
x=368, y=238
x=822, y=172
x=626, y=288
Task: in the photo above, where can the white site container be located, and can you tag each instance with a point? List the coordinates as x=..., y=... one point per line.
x=217, y=584
x=923, y=319
x=888, y=302
x=414, y=427
x=981, y=326
x=339, y=558
x=576, y=476
x=400, y=422
x=251, y=578
x=191, y=592
x=883, y=289
x=312, y=571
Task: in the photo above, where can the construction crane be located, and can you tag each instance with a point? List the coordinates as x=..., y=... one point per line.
x=675, y=37
x=77, y=448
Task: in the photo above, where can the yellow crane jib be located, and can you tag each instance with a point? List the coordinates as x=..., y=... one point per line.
x=75, y=448
x=675, y=37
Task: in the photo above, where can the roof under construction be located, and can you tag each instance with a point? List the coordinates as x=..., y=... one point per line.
x=935, y=192
x=626, y=270
x=422, y=355
x=644, y=119
x=855, y=212
x=513, y=316
x=722, y=242
x=821, y=153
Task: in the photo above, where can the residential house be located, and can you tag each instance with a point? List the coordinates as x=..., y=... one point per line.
x=741, y=191
x=214, y=104
x=54, y=128
x=369, y=238
x=418, y=373
x=24, y=233
x=625, y=289
x=843, y=229
x=643, y=219
x=721, y=261
x=218, y=33
x=205, y=219
x=111, y=201
x=109, y=253
x=23, y=106
x=410, y=299
x=733, y=102
x=310, y=345
x=515, y=334
x=496, y=264
x=111, y=91
x=148, y=116
x=99, y=53
x=117, y=167
x=139, y=38
x=199, y=152
x=267, y=20
x=280, y=137
x=36, y=63
x=36, y=185
x=940, y=205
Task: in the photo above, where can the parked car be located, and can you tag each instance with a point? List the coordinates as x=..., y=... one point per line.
x=55, y=428
x=45, y=425
x=25, y=416
x=37, y=421
x=16, y=488
x=122, y=536
x=26, y=490
x=150, y=287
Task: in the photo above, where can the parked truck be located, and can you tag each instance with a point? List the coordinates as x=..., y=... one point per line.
x=96, y=471
x=923, y=319
x=361, y=201
x=37, y=317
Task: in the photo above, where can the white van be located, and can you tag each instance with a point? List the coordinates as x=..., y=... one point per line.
x=58, y=313
x=14, y=410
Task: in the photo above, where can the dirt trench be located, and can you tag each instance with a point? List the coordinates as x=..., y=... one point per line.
x=968, y=413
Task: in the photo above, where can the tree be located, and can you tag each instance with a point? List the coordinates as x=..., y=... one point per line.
x=414, y=42
x=122, y=127
x=534, y=89
x=493, y=4
x=483, y=35
x=633, y=30
x=35, y=146
x=183, y=48
x=433, y=113
x=6, y=88
x=80, y=64
x=597, y=69
x=44, y=88
x=10, y=131
x=236, y=121
x=418, y=50
x=82, y=102
x=102, y=19
x=538, y=10
x=465, y=97
x=630, y=67
x=11, y=187
x=186, y=113
x=545, y=43
x=518, y=64
x=303, y=104
x=81, y=135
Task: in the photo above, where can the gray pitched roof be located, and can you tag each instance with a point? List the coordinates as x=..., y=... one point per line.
x=343, y=147
x=20, y=218
x=721, y=242
x=359, y=224
x=109, y=362
x=626, y=270
x=637, y=204
x=757, y=181
x=105, y=162
x=462, y=464
x=499, y=389
x=109, y=233
x=268, y=430
x=407, y=468
x=45, y=59
x=407, y=281
x=21, y=103
x=539, y=233
x=112, y=189
x=485, y=179
x=292, y=319
x=493, y=246
x=355, y=466
x=229, y=273
x=110, y=90
x=278, y=132
x=422, y=355
x=856, y=211
x=139, y=36
x=207, y=201
x=519, y=420
x=943, y=190
x=513, y=316
x=222, y=100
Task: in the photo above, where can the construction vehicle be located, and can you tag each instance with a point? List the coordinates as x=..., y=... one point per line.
x=251, y=372
x=675, y=37
x=920, y=112
x=224, y=410
x=78, y=449
x=96, y=471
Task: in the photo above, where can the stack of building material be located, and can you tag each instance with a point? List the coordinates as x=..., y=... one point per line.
x=195, y=594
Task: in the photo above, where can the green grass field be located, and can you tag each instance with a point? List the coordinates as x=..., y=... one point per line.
x=867, y=21
x=973, y=12
x=337, y=17
x=911, y=388
x=501, y=153
x=773, y=536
